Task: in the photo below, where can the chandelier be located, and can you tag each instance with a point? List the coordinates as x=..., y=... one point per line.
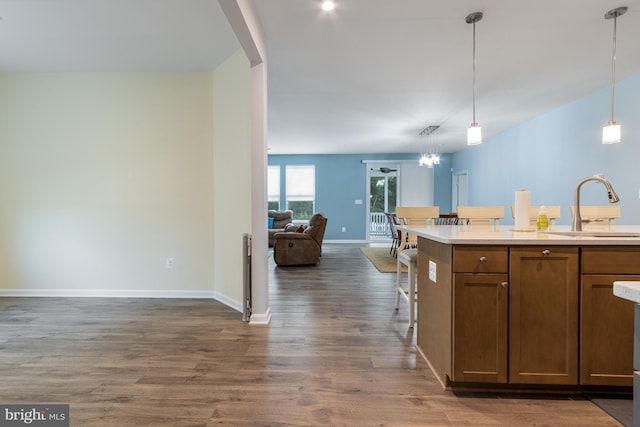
x=430, y=157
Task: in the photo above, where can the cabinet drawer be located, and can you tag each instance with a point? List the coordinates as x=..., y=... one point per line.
x=610, y=260
x=484, y=259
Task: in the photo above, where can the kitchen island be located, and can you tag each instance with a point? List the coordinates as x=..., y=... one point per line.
x=503, y=309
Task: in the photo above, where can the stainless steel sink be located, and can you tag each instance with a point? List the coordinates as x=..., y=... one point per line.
x=595, y=233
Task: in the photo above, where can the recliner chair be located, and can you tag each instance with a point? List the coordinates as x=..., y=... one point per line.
x=293, y=248
x=282, y=221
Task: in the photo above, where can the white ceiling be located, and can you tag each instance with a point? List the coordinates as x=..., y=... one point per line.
x=365, y=78
x=372, y=74
x=113, y=35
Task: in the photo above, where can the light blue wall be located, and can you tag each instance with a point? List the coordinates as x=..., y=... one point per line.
x=442, y=183
x=341, y=180
x=550, y=154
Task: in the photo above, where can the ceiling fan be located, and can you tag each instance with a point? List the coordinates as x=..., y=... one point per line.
x=384, y=170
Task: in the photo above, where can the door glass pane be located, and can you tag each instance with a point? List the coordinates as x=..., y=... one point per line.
x=382, y=198
x=392, y=193
x=377, y=194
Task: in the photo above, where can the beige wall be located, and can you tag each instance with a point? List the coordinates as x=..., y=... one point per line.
x=232, y=172
x=104, y=176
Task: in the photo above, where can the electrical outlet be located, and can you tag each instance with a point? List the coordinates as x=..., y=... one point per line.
x=169, y=263
x=432, y=271
x=344, y=229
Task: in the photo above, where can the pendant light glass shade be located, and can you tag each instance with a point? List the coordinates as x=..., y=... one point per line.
x=328, y=5
x=474, y=133
x=611, y=132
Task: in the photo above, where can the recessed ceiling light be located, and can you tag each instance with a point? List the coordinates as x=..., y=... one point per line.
x=328, y=5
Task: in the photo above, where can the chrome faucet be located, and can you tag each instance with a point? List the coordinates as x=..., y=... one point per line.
x=613, y=198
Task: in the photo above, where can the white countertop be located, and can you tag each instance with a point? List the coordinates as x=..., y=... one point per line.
x=504, y=234
x=627, y=290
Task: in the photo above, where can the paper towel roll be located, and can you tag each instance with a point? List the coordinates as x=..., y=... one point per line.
x=523, y=201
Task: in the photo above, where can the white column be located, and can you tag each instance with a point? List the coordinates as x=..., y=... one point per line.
x=261, y=312
x=244, y=24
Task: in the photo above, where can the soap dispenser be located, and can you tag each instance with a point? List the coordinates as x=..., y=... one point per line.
x=543, y=220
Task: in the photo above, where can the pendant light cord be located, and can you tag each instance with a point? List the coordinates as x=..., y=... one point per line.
x=474, y=73
x=613, y=65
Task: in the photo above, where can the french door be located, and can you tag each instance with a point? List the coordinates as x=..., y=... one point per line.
x=382, y=197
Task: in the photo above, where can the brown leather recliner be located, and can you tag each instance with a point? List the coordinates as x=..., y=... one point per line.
x=282, y=221
x=292, y=248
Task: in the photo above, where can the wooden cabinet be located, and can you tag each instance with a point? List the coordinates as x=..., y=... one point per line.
x=481, y=259
x=515, y=315
x=526, y=315
x=480, y=324
x=480, y=314
x=543, y=315
x=606, y=321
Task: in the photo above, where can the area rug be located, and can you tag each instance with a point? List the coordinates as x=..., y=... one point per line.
x=619, y=408
x=381, y=259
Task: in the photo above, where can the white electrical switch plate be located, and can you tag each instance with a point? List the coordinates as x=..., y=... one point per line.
x=344, y=229
x=432, y=271
x=358, y=201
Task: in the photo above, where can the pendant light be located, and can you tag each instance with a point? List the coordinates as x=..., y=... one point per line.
x=474, y=133
x=328, y=5
x=611, y=132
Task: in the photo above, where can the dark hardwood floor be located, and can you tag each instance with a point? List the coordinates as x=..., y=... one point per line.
x=335, y=354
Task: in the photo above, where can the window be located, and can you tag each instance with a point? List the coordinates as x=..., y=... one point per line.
x=273, y=188
x=301, y=190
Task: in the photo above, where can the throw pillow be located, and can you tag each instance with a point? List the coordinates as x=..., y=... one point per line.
x=271, y=222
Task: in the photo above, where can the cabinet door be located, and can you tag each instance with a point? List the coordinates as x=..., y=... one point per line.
x=606, y=332
x=543, y=315
x=480, y=328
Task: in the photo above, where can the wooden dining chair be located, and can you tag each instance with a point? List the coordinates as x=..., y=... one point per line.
x=447, y=219
x=395, y=233
x=481, y=215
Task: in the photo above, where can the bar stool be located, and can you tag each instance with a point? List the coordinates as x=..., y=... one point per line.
x=598, y=216
x=417, y=216
x=408, y=257
x=484, y=216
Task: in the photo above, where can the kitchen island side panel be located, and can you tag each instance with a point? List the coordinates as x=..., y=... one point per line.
x=435, y=306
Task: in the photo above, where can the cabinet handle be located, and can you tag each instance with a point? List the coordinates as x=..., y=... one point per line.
x=546, y=252
x=483, y=259
x=505, y=284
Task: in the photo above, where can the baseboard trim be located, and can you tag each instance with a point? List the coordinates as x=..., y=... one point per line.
x=261, y=319
x=119, y=293
x=236, y=305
